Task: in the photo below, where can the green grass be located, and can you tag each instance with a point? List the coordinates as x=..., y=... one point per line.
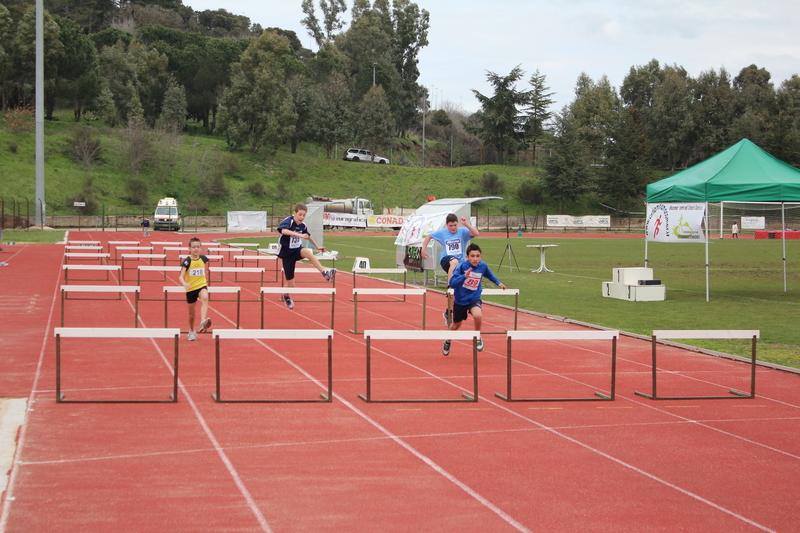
x=284, y=177
x=746, y=285
x=27, y=237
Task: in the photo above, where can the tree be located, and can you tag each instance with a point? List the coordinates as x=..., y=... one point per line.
x=753, y=105
x=671, y=118
x=567, y=171
x=627, y=158
x=593, y=109
x=173, y=112
x=256, y=110
x=23, y=48
x=331, y=22
x=300, y=89
x=501, y=122
x=375, y=124
x=331, y=113
x=712, y=112
x=6, y=55
x=77, y=80
x=537, y=112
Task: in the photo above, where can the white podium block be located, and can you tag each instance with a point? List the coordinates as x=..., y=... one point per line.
x=631, y=276
x=634, y=293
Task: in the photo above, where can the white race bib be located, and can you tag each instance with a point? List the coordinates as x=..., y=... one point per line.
x=294, y=241
x=452, y=247
x=197, y=272
x=473, y=281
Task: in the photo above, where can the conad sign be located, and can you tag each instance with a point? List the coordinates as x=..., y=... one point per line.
x=386, y=221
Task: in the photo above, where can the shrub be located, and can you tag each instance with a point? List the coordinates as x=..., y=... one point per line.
x=530, y=192
x=84, y=148
x=13, y=147
x=491, y=183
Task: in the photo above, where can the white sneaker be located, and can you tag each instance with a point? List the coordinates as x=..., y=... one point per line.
x=329, y=274
x=192, y=336
x=288, y=301
x=480, y=344
x=204, y=325
x=446, y=348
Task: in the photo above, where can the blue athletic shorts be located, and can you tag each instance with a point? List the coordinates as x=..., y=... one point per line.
x=460, y=311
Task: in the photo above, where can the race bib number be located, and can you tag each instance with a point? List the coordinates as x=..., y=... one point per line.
x=453, y=247
x=473, y=281
x=294, y=242
x=197, y=272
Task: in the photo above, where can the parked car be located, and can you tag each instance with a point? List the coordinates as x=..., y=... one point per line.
x=358, y=154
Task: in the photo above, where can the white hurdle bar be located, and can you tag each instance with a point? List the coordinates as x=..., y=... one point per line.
x=753, y=335
x=136, y=257
x=155, y=268
x=295, y=290
x=405, y=335
x=118, y=289
x=395, y=271
x=257, y=259
x=100, y=256
x=611, y=335
x=83, y=242
x=131, y=250
x=211, y=290
x=116, y=333
x=99, y=268
x=122, y=243
x=276, y=334
x=492, y=292
x=86, y=247
x=239, y=270
x=388, y=292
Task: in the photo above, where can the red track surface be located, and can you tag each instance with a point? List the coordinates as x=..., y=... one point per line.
x=628, y=465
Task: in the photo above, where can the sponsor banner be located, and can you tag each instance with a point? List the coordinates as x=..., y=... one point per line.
x=244, y=221
x=675, y=222
x=591, y=221
x=386, y=221
x=417, y=227
x=754, y=223
x=344, y=220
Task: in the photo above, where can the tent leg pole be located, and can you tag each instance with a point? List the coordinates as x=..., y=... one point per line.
x=783, y=235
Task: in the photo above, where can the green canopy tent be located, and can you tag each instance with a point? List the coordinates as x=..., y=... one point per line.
x=742, y=173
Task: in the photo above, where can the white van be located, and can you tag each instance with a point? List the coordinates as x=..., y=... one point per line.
x=167, y=215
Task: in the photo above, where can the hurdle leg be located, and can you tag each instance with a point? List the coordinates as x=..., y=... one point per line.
x=136, y=310
x=174, y=394
x=355, y=314
x=63, y=295
x=653, y=396
x=238, y=308
x=507, y=397
x=424, y=308
x=368, y=397
x=166, y=309
x=329, y=396
x=58, y=368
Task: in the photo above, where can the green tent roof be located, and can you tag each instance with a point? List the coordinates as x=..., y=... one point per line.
x=742, y=173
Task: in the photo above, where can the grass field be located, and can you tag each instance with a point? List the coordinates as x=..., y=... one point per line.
x=746, y=285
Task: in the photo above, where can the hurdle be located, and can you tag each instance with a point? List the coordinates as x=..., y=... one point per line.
x=136, y=257
x=99, y=268
x=122, y=243
x=371, y=335
x=705, y=334
x=99, y=256
x=294, y=290
x=275, y=334
x=163, y=243
x=244, y=246
x=388, y=292
x=217, y=250
x=211, y=290
x=116, y=333
x=493, y=292
x=239, y=270
x=85, y=247
x=119, y=289
x=131, y=249
x=155, y=268
x=611, y=335
x=257, y=259
x=92, y=243
x=395, y=271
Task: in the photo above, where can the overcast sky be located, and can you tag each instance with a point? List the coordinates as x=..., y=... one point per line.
x=564, y=38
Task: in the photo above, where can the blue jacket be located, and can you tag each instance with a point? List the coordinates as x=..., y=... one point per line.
x=467, y=290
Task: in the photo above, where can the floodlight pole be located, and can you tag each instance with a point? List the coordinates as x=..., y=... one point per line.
x=40, y=206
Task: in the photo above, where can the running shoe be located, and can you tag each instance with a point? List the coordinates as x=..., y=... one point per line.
x=288, y=301
x=204, y=325
x=448, y=317
x=192, y=336
x=480, y=344
x=329, y=274
x=446, y=348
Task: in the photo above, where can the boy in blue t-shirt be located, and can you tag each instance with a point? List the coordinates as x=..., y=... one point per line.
x=466, y=285
x=293, y=231
x=454, y=241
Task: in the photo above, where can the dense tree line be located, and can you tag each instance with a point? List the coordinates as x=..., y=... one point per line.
x=609, y=141
x=117, y=61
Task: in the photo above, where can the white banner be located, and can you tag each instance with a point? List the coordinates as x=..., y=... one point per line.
x=255, y=221
x=591, y=221
x=344, y=220
x=754, y=223
x=675, y=222
x=417, y=227
x=386, y=221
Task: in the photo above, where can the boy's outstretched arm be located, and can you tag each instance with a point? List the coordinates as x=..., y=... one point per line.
x=473, y=231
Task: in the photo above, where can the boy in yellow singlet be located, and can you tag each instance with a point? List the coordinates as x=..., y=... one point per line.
x=194, y=270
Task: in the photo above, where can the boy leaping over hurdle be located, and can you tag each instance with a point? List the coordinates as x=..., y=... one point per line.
x=466, y=285
x=194, y=269
x=292, y=231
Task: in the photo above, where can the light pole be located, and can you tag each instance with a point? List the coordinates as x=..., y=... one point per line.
x=373, y=73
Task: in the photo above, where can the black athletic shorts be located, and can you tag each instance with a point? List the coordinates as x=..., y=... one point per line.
x=289, y=261
x=445, y=262
x=192, y=296
x=460, y=311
